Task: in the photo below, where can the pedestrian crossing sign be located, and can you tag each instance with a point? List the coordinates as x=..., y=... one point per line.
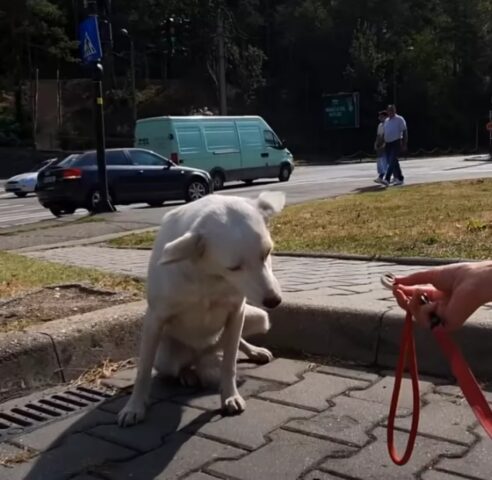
x=90, y=43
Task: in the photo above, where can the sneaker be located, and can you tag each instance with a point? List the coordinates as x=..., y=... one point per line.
x=398, y=183
x=378, y=180
x=385, y=182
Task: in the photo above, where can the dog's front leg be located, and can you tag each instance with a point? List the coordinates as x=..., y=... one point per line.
x=232, y=402
x=134, y=410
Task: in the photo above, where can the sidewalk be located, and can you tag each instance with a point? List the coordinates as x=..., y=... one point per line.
x=302, y=421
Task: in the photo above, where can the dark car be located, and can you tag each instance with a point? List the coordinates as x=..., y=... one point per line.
x=134, y=176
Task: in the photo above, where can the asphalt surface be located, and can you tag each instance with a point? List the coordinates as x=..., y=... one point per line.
x=307, y=183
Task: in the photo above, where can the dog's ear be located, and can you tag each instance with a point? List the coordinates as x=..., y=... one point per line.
x=190, y=245
x=270, y=203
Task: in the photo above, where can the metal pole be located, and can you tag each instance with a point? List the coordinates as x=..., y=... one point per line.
x=222, y=69
x=134, y=92
x=395, y=95
x=104, y=204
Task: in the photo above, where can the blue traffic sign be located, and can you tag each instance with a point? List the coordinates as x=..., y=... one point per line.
x=90, y=43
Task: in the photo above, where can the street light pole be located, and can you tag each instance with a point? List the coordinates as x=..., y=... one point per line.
x=125, y=33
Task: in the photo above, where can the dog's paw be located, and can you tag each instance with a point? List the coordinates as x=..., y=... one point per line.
x=233, y=404
x=260, y=355
x=131, y=414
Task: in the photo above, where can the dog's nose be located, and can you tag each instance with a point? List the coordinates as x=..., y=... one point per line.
x=272, y=302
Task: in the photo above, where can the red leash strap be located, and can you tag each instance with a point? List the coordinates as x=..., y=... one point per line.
x=465, y=379
x=460, y=369
x=407, y=358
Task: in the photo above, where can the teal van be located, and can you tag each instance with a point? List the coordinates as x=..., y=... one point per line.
x=229, y=148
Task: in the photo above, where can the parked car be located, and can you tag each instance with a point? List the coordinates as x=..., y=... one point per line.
x=229, y=148
x=25, y=183
x=134, y=176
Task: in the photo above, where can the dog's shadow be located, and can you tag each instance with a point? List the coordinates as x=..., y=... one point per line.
x=92, y=445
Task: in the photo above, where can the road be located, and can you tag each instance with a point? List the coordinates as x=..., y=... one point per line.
x=307, y=183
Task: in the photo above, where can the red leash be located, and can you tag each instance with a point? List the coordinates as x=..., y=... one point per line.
x=459, y=367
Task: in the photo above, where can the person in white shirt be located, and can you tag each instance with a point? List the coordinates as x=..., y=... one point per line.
x=382, y=164
x=396, y=140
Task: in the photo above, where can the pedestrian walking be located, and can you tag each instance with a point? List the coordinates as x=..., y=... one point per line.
x=396, y=141
x=382, y=164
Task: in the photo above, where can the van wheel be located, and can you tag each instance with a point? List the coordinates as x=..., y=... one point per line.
x=284, y=173
x=196, y=189
x=218, y=179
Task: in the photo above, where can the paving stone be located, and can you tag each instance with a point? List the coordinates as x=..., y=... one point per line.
x=445, y=418
x=477, y=463
x=438, y=475
x=200, y=476
x=85, y=477
x=319, y=475
x=51, y=435
x=210, y=399
x=287, y=457
x=347, y=421
x=180, y=454
x=78, y=453
x=314, y=391
x=373, y=462
x=249, y=429
x=349, y=372
x=281, y=370
x=163, y=419
x=381, y=392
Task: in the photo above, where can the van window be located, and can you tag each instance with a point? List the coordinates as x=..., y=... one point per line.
x=189, y=139
x=221, y=137
x=250, y=136
x=271, y=139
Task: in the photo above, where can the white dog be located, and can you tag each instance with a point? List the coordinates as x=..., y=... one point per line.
x=209, y=258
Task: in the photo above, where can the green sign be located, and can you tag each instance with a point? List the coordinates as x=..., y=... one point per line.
x=341, y=110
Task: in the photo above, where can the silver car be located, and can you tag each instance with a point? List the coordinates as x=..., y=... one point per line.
x=25, y=183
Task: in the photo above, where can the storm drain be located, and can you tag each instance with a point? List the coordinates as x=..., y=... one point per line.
x=28, y=414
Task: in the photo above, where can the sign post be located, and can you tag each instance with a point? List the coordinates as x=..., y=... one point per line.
x=341, y=110
x=91, y=54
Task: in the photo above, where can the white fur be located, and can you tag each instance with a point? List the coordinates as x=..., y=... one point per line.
x=209, y=258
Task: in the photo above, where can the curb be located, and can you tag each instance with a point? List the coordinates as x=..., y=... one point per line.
x=84, y=241
x=425, y=261
x=62, y=350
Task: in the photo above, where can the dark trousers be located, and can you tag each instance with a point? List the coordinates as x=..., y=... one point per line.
x=392, y=153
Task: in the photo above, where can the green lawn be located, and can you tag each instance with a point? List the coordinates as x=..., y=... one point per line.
x=444, y=220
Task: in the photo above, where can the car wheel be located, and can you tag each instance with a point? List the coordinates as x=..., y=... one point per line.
x=58, y=210
x=218, y=179
x=94, y=198
x=156, y=203
x=196, y=189
x=21, y=194
x=284, y=174
x=249, y=181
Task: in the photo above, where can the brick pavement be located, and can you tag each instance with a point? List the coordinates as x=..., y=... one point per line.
x=303, y=421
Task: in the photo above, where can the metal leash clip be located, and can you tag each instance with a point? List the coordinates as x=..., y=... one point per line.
x=388, y=281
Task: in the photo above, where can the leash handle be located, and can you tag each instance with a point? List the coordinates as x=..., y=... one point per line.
x=407, y=358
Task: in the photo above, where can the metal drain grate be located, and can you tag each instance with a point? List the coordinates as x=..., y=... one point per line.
x=25, y=414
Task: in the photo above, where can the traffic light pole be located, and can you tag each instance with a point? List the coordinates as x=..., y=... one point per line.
x=104, y=204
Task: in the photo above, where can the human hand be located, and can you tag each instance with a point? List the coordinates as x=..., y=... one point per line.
x=455, y=292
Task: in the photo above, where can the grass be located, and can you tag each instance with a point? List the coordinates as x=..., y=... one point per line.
x=19, y=274
x=443, y=220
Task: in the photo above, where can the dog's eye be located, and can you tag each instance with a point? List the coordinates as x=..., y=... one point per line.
x=236, y=268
